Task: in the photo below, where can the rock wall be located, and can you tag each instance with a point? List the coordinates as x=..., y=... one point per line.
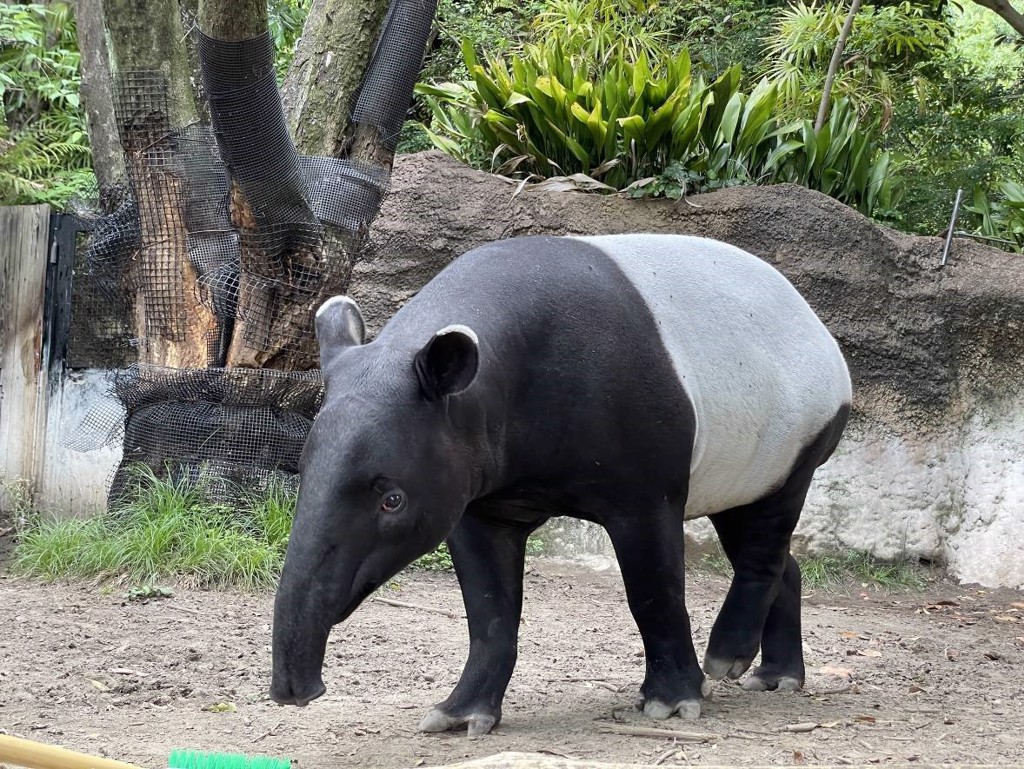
x=933, y=463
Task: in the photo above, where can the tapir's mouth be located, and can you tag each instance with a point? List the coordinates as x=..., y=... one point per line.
x=284, y=695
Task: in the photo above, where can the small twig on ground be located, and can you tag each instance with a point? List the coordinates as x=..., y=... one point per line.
x=670, y=753
x=666, y=734
x=802, y=728
x=838, y=690
x=420, y=607
x=270, y=733
x=550, y=752
x=754, y=731
x=184, y=609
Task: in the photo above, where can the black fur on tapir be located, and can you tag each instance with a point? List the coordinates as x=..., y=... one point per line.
x=631, y=380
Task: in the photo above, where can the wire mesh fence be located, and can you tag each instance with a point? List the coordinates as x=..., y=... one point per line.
x=225, y=242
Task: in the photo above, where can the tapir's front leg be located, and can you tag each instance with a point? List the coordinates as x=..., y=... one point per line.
x=488, y=560
x=650, y=554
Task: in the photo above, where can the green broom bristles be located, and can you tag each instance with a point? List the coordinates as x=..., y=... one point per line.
x=191, y=759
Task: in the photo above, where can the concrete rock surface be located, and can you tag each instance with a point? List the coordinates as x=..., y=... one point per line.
x=932, y=466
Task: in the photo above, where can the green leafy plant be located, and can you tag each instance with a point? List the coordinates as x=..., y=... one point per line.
x=597, y=108
x=841, y=160
x=44, y=149
x=879, y=64
x=285, y=19
x=1000, y=219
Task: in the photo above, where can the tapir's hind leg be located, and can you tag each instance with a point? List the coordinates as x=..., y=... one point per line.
x=762, y=608
x=488, y=561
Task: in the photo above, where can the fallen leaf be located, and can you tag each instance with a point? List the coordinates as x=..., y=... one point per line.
x=993, y=656
x=868, y=653
x=99, y=685
x=829, y=670
x=848, y=634
x=221, y=707
x=865, y=719
x=1017, y=605
x=915, y=689
x=798, y=757
x=830, y=724
x=1005, y=618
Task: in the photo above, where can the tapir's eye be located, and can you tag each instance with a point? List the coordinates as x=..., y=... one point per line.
x=392, y=502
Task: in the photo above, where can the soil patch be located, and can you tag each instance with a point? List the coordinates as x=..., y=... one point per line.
x=930, y=676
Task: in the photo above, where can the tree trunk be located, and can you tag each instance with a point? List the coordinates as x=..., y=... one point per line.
x=153, y=98
x=1007, y=12
x=98, y=98
x=330, y=60
x=233, y=20
x=833, y=65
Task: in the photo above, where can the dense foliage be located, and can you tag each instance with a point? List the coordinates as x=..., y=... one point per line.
x=596, y=97
x=927, y=100
x=44, y=148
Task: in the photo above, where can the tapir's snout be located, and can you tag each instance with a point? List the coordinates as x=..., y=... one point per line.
x=285, y=693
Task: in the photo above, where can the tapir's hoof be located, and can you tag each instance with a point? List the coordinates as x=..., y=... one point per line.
x=477, y=724
x=688, y=710
x=763, y=682
x=717, y=668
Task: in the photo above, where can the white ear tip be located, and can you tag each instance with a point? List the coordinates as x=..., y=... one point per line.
x=458, y=328
x=334, y=300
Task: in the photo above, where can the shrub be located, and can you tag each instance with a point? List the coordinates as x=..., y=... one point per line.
x=44, y=149
x=1001, y=219
x=652, y=129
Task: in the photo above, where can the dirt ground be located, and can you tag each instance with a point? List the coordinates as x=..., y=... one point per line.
x=932, y=676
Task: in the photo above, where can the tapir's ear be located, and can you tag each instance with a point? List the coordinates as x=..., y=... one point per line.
x=339, y=324
x=448, y=363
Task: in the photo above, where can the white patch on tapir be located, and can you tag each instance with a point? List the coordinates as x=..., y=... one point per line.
x=763, y=373
x=458, y=328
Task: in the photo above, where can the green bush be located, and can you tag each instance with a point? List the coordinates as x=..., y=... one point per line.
x=1000, y=220
x=650, y=128
x=880, y=63
x=44, y=149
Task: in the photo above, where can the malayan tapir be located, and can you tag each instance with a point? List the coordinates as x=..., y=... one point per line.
x=630, y=380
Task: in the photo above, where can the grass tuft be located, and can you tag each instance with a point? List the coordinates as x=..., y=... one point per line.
x=829, y=570
x=167, y=529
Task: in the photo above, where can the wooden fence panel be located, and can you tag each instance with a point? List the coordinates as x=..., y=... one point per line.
x=24, y=234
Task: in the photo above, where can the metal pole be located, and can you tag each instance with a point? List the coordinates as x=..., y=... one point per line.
x=952, y=226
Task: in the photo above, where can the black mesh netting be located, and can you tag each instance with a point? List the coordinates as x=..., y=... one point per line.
x=244, y=427
x=225, y=242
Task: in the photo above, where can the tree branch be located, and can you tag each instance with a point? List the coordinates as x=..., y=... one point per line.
x=1007, y=12
x=833, y=66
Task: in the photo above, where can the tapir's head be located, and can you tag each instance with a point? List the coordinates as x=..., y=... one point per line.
x=385, y=478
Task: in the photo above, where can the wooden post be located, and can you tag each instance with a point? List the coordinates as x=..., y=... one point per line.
x=24, y=234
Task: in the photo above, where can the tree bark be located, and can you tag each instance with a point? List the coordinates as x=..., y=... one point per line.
x=98, y=98
x=233, y=20
x=1007, y=12
x=153, y=99
x=329, y=64
x=833, y=65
